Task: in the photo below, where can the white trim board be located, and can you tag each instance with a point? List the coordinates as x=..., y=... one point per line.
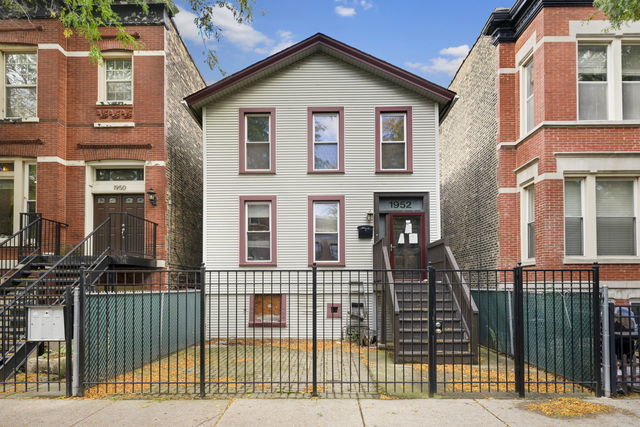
x=81, y=54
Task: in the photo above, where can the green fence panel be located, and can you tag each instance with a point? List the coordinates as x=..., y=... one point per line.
x=125, y=331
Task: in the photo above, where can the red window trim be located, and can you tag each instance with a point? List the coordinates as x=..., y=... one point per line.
x=310, y=151
x=272, y=140
x=331, y=315
x=283, y=313
x=409, y=147
x=341, y=228
x=274, y=234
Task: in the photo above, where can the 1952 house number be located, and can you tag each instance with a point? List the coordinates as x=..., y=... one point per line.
x=400, y=204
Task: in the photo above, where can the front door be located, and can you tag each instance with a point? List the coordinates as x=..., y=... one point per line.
x=126, y=234
x=407, y=244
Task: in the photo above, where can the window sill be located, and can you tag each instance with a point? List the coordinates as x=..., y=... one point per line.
x=327, y=264
x=393, y=171
x=528, y=262
x=114, y=124
x=20, y=120
x=256, y=172
x=603, y=260
x=267, y=325
x=257, y=264
x=324, y=172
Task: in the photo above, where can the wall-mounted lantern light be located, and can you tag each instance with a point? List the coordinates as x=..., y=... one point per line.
x=152, y=197
x=369, y=217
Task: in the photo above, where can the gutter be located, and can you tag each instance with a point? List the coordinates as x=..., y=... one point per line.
x=445, y=111
x=196, y=117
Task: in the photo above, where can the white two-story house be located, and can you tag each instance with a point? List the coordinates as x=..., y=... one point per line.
x=310, y=156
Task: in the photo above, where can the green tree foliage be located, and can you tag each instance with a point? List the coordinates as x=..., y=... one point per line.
x=85, y=17
x=619, y=11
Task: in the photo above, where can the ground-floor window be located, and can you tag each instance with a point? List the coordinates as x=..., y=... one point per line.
x=600, y=216
x=528, y=232
x=326, y=230
x=268, y=310
x=258, y=230
x=18, y=182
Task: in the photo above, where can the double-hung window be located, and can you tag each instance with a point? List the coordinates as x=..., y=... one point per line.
x=394, y=140
x=528, y=210
x=593, y=84
x=326, y=216
x=118, y=80
x=631, y=81
x=257, y=129
x=574, y=217
x=326, y=134
x=20, y=83
x=258, y=230
x=615, y=217
x=527, y=90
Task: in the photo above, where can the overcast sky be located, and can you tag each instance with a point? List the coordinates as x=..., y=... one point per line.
x=427, y=37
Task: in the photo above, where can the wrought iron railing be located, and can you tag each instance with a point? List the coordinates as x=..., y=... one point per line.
x=133, y=236
x=37, y=236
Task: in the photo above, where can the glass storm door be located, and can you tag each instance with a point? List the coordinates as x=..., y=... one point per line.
x=407, y=241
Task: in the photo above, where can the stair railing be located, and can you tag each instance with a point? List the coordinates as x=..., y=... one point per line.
x=134, y=236
x=384, y=276
x=441, y=257
x=37, y=236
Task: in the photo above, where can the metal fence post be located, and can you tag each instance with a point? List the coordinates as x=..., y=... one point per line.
x=613, y=372
x=68, y=337
x=606, y=353
x=203, y=282
x=81, y=325
x=597, y=338
x=314, y=327
x=433, y=384
x=518, y=329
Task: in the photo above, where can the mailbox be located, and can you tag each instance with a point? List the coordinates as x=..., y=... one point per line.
x=365, y=231
x=45, y=323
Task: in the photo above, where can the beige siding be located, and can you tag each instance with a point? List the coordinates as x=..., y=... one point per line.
x=316, y=81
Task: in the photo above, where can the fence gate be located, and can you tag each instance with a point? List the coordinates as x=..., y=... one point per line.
x=527, y=331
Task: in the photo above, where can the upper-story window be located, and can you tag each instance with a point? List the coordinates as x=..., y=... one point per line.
x=257, y=152
x=326, y=134
x=393, y=140
x=527, y=91
x=20, y=83
x=118, y=78
x=593, y=84
x=631, y=82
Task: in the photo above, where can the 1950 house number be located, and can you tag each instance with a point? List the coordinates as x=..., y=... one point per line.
x=119, y=187
x=400, y=204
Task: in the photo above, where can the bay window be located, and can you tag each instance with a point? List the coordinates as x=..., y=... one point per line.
x=394, y=140
x=529, y=221
x=20, y=84
x=527, y=91
x=257, y=129
x=615, y=217
x=573, y=217
x=326, y=230
x=631, y=82
x=258, y=230
x=593, y=85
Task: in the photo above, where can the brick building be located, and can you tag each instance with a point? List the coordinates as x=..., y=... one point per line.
x=546, y=135
x=79, y=140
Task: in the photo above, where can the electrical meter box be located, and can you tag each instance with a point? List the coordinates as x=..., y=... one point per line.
x=46, y=323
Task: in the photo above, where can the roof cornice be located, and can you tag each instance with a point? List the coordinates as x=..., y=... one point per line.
x=320, y=42
x=506, y=25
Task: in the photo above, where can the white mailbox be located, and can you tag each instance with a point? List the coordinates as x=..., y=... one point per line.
x=46, y=323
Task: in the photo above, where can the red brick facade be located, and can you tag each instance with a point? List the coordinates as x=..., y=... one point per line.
x=65, y=139
x=556, y=130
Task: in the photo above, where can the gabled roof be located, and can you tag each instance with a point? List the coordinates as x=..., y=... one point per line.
x=319, y=43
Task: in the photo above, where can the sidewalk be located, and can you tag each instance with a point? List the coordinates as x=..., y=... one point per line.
x=292, y=412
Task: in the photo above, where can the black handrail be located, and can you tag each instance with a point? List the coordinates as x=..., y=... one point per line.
x=133, y=236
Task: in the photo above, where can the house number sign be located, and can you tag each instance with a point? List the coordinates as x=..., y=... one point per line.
x=119, y=187
x=401, y=205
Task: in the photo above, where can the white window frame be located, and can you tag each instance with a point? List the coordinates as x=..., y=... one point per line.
x=382, y=141
x=634, y=42
x=247, y=231
x=102, y=79
x=611, y=78
x=337, y=233
x=582, y=181
x=524, y=110
x=524, y=222
x=247, y=142
x=590, y=220
x=337, y=142
x=3, y=87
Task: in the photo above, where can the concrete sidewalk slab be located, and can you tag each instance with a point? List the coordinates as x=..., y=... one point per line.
x=49, y=412
x=159, y=412
x=421, y=412
x=294, y=412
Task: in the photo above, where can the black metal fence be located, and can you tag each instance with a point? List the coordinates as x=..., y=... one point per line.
x=624, y=346
x=332, y=332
